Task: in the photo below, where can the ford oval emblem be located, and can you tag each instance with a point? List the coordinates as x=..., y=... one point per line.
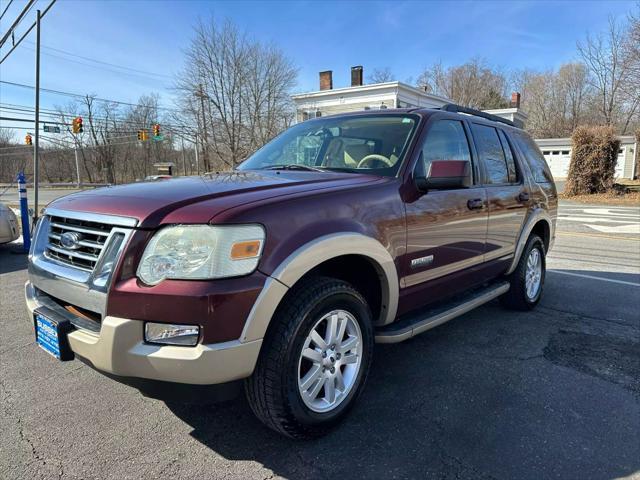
x=70, y=240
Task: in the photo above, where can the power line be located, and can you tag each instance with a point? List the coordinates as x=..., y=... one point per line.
x=78, y=95
x=24, y=109
x=5, y=9
x=17, y=21
x=124, y=67
x=26, y=33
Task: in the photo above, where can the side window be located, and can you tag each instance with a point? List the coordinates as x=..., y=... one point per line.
x=446, y=140
x=491, y=153
x=534, y=157
x=511, y=163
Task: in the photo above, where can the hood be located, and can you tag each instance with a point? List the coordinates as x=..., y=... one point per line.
x=152, y=202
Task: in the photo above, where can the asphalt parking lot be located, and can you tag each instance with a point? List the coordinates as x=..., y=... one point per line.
x=552, y=393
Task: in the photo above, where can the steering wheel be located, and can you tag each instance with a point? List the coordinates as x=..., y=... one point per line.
x=375, y=156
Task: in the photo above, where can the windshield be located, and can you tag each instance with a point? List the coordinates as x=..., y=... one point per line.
x=372, y=144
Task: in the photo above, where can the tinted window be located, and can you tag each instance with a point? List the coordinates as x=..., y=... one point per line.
x=511, y=163
x=446, y=140
x=491, y=153
x=534, y=157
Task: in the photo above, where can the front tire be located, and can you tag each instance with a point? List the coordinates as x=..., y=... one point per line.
x=527, y=280
x=315, y=359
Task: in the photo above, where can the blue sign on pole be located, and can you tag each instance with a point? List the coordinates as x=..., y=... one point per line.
x=24, y=212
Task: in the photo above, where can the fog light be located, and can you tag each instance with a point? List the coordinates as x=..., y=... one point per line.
x=171, y=334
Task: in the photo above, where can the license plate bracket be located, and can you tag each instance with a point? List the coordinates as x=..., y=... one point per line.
x=51, y=334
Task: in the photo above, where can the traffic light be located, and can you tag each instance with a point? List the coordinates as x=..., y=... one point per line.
x=140, y=135
x=77, y=125
x=143, y=135
x=28, y=140
x=156, y=130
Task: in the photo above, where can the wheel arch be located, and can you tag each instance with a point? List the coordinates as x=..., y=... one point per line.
x=539, y=223
x=331, y=253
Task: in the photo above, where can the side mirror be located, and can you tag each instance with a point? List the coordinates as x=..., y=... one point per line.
x=444, y=174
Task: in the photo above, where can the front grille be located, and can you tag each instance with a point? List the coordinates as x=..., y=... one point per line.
x=92, y=238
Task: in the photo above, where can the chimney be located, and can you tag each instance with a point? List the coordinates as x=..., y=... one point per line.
x=515, y=100
x=326, y=80
x=356, y=76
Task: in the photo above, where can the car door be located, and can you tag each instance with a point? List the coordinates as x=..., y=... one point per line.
x=446, y=229
x=507, y=194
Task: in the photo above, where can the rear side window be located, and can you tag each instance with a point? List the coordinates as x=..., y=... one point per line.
x=491, y=153
x=511, y=163
x=534, y=157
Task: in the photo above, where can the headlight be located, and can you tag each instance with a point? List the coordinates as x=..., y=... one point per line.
x=197, y=252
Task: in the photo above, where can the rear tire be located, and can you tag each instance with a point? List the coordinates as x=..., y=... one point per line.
x=304, y=383
x=527, y=280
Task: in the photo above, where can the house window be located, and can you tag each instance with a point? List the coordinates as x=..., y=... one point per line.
x=565, y=152
x=309, y=114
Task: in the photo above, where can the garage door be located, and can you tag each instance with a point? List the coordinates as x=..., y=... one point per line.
x=558, y=161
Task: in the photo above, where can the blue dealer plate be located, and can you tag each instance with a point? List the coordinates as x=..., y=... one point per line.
x=47, y=335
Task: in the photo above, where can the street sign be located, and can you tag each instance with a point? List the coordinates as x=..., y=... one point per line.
x=158, y=137
x=51, y=129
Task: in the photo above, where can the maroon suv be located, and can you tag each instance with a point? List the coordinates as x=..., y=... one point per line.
x=341, y=232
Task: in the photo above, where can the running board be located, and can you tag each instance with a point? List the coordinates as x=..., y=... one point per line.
x=409, y=327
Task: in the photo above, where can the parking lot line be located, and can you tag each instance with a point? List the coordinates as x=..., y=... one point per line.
x=613, y=237
x=593, y=277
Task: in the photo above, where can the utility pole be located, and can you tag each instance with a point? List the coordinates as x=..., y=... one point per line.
x=75, y=152
x=36, y=143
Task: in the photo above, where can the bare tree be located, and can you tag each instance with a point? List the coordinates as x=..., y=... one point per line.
x=556, y=102
x=236, y=90
x=612, y=69
x=473, y=84
x=573, y=83
x=109, y=149
x=381, y=75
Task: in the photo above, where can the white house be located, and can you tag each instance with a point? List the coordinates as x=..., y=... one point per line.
x=329, y=101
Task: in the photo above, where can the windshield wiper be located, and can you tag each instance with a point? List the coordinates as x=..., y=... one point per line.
x=293, y=166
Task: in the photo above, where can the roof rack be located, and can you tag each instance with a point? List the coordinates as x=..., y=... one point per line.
x=452, y=107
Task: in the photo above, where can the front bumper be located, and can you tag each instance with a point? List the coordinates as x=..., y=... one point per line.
x=119, y=349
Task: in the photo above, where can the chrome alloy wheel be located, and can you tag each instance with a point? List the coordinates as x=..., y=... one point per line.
x=533, y=274
x=330, y=361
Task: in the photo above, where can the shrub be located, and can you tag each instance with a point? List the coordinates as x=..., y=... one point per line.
x=593, y=160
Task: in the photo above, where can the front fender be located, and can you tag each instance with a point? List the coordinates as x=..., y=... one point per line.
x=312, y=254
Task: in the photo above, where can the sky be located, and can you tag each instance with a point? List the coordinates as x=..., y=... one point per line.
x=144, y=41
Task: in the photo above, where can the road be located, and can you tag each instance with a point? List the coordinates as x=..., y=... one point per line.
x=45, y=195
x=552, y=393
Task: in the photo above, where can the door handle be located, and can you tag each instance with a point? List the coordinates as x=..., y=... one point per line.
x=523, y=197
x=475, y=204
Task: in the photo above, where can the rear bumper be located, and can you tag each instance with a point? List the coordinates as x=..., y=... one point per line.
x=119, y=349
